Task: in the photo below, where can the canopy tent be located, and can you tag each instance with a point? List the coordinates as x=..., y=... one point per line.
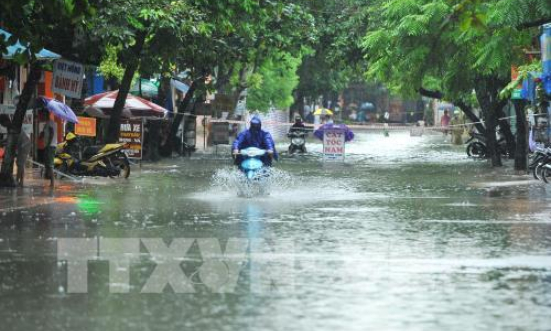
x=100, y=105
x=19, y=48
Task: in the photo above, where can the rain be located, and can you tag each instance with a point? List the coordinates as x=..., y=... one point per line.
x=408, y=231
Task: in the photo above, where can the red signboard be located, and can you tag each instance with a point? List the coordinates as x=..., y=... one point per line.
x=86, y=126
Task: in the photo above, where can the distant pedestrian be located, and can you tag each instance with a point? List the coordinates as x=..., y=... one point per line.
x=310, y=118
x=445, y=122
x=457, y=129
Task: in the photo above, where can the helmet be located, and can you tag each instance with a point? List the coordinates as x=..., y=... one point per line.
x=70, y=136
x=256, y=124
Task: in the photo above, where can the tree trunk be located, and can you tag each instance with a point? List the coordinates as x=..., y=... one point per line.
x=154, y=127
x=113, y=130
x=468, y=111
x=167, y=148
x=487, y=90
x=6, y=173
x=521, y=152
x=506, y=129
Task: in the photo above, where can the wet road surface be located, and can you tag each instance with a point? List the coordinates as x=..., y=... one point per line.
x=408, y=234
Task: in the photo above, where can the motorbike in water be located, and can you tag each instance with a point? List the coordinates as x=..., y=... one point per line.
x=96, y=161
x=254, y=180
x=476, y=146
x=298, y=141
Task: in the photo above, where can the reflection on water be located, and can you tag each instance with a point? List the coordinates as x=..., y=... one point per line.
x=408, y=234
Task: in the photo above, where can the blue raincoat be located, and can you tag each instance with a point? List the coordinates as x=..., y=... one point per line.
x=255, y=137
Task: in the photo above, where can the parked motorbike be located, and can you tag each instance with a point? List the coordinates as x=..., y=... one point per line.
x=98, y=161
x=540, y=164
x=255, y=180
x=476, y=145
x=298, y=141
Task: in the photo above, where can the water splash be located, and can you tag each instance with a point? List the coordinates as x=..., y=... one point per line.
x=284, y=188
x=231, y=180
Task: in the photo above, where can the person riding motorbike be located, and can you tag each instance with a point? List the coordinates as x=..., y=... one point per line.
x=255, y=137
x=298, y=125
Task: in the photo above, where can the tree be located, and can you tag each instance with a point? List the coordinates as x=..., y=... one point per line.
x=239, y=37
x=452, y=47
x=145, y=31
x=276, y=80
x=35, y=24
x=336, y=57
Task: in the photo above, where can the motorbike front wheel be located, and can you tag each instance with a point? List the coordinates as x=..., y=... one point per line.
x=545, y=173
x=121, y=162
x=476, y=149
x=536, y=172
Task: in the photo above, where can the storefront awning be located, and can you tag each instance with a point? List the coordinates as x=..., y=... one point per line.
x=17, y=48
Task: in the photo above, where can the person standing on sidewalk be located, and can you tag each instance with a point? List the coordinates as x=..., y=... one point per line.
x=50, y=141
x=445, y=122
x=457, y=129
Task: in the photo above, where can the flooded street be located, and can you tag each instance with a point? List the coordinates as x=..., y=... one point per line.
x=408, y=234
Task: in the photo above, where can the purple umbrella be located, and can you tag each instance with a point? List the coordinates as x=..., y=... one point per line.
x=348, y=134
x=60, y=109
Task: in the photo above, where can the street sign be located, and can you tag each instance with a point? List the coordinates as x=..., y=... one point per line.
x=333, y=145
x=132, y=133
x=68, y=77
x=86, y=126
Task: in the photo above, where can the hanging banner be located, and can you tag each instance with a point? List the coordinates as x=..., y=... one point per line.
x=132, y=133
x=86, y=126
x=68, y=77
x=333, y=145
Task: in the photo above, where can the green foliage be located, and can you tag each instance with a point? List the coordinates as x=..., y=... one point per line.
x=447, y=44
x=336, y=58
x=109, y=66
x=523, y=72
x=39, y=24
x=274, y=84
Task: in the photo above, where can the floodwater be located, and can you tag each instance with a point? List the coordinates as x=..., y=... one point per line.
x=407, y=234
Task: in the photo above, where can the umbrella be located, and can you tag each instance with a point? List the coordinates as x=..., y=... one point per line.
x=367, y=106
x=323, y=111
x=348, y=134
x=149, y=88
x=59, y=109
x=134, y=107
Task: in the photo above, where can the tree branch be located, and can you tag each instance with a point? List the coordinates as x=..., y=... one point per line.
x=430, y=94
x=527, y=25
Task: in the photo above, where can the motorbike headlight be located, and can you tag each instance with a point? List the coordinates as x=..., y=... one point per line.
x=297, y=141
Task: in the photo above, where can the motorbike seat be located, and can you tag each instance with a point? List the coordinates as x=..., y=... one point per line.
x=91, y=151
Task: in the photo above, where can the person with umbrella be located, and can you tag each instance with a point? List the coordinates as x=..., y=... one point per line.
x=329, y=124
x=49, y=133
